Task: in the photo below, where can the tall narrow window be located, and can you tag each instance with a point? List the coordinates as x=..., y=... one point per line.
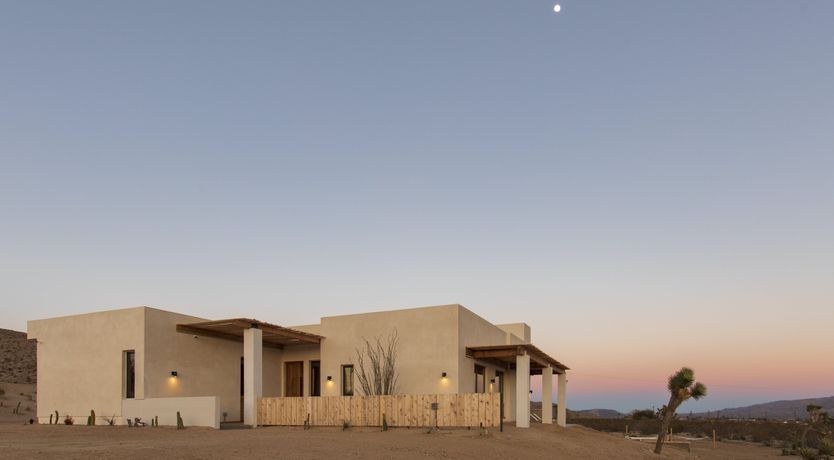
x=347, y=380
x=130, y=374
x=480, y=379
x=315, y=378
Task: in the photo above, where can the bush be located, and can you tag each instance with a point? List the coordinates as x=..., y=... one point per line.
x=68, y=420
x=826, y=447
x=643, y=414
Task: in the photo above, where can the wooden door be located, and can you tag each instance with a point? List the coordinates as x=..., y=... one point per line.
x=294, y=378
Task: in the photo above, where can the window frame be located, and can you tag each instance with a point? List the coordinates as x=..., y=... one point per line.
x=129, y=374
x=344, y=380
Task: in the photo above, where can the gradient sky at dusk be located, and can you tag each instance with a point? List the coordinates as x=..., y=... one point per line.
x=648, y=184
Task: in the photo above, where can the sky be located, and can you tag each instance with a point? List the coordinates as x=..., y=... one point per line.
x=647, y=184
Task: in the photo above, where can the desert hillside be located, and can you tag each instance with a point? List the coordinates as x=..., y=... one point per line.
x=17, y=357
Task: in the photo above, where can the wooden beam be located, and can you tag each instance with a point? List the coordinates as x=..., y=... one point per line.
x=493, y=354
x=186, y=329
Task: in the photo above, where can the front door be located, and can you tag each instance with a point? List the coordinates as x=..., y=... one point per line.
x=294, y=378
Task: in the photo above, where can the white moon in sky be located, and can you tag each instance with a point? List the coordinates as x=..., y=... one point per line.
x=557, y=8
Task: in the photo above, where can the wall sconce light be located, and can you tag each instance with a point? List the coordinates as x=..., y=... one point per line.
x=443, y=375
x=329, y=378
x=492, y=380
x=173, y=373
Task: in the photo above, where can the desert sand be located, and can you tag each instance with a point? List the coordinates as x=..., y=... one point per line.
x=69, y=442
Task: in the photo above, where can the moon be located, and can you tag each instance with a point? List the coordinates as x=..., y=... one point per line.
x=557, y=8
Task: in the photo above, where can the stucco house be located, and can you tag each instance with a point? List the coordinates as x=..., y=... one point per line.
x=142, y=361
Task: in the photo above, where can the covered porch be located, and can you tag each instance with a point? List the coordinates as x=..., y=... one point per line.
x=254, y=335
x=527, y=360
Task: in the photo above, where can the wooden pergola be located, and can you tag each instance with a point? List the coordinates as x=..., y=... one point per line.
x=527, y=359
x=505, y=355
x=274, y=336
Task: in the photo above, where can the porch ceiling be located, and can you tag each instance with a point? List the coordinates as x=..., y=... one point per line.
x=506, y=354
x=232, y=329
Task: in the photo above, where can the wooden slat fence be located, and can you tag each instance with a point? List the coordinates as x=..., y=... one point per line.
x=453, y=410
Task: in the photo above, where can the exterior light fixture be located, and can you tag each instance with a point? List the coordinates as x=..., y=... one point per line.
x=492, y=380
x=443, y=375
x=329, y=378
x=173, y=373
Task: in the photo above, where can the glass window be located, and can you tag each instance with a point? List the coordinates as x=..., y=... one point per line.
x=315, y=378
x=130, y=374
x=347, y=380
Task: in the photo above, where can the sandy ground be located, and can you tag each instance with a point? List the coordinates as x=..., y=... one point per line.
x=69, y=442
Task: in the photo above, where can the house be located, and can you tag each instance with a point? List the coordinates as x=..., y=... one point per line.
x=142, y=362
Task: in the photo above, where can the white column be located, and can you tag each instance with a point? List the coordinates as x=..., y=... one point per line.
x=522, y=391
x=562, y=412
x=547, y=395
x=252, y=374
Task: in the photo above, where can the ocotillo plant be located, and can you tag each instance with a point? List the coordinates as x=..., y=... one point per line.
x=682, y=386
x=180, y=425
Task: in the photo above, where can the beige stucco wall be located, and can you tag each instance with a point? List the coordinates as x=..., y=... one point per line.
x=80, y=362
x=205, y=366
x=476, y=331
x=427, y=336
x=195, y=411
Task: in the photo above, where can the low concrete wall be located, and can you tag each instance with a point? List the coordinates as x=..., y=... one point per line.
x=195, y=411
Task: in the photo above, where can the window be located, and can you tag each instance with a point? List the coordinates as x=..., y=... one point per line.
x=347, y=380
x=315, y=378
x=480, y=379
x=130, y=374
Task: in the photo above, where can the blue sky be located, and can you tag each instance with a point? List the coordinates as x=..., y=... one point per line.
x=600, y=173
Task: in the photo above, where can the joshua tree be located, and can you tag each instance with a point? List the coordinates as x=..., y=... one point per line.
x=376, y=365
x=818, y=421
x=682, y=386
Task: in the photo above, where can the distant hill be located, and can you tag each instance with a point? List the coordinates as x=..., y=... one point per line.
x=536, y=406
x=599, y=413
x=776, y=410
x=17, y=357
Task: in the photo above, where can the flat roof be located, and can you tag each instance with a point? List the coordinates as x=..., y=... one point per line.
x=232, y=329
x=507, y=354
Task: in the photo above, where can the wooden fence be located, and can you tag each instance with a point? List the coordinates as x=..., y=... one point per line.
x=461, y=410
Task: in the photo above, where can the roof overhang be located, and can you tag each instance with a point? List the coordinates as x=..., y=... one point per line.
x=506, y=354
x=232, y=329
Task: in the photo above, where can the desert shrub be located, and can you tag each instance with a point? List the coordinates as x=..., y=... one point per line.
x=2, y=391
x=826, y=447
x=807, y=453
x=643, y=414
x=68, y=420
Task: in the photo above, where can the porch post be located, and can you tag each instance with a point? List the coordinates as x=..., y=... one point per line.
x=547, y=395
x=562, y=412
x=522, y=391
x=252, y=374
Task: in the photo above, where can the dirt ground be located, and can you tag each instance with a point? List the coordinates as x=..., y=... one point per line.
x=69, y=442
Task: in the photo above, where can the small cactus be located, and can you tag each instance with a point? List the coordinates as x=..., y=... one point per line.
x=89, y=420
x=156, y=420
x=56, y=417
x=384, y=423
x=50, y=419
x=180, y=425
x=93, y=417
